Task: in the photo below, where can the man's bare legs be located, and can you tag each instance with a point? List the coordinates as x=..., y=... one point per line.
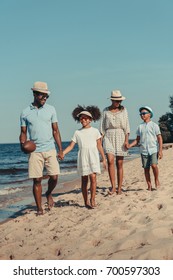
x=52, y=182
x=37, y=192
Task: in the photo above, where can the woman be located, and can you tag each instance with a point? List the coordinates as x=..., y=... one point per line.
x=115, y=130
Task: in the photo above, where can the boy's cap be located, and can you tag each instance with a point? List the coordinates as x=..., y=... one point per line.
x=148, y=109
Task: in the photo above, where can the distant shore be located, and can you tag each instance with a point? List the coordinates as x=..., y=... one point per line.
x=135, y=225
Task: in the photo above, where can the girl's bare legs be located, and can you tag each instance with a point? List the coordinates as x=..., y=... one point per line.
x=111, y=171
x=156, y=174
x=148, y=178
x=93, y=185
x=119, y=165
x=84, y=180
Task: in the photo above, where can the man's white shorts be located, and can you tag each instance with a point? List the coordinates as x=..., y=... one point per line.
x=37, y=162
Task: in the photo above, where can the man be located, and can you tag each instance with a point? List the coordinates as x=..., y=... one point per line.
x=39, y=120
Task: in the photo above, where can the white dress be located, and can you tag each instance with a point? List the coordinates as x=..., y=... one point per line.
x=88, y=161
x=114, y=127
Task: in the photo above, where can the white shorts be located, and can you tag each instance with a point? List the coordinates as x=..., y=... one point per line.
x=37, y=162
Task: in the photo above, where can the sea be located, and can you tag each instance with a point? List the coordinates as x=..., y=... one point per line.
x=15, y=187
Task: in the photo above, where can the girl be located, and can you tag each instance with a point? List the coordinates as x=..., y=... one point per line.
x=89, y=142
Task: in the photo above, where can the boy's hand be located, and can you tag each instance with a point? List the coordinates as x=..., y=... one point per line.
x=160, y=155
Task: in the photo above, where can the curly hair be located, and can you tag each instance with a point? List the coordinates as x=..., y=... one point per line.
x=93, y=110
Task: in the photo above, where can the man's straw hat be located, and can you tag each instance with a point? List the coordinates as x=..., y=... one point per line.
x=40, y=87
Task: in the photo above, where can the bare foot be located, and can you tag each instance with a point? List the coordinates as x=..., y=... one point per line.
x=93, y=204
x=88, y=206
x=50, y=201
x=39, y=212
x=119, y=192
x=111, y=191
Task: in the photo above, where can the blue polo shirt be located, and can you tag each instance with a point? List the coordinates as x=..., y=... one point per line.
x=39, y=126
x=148, y=137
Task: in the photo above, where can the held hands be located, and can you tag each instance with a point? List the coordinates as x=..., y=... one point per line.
x=61, y=155
x=127, y=145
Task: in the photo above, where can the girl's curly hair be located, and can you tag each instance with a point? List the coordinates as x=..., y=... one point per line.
x=93, y=110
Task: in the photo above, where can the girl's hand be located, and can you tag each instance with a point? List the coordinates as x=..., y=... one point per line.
x=105, y=164
x=126, y=145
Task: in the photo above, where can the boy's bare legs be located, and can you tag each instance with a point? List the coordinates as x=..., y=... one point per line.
x=111, y=171
x=119, y=165
x=148, y=178
x=84, y=180
x=52, y=182
x=156, y=175
x=37, y=192
x=93, y=185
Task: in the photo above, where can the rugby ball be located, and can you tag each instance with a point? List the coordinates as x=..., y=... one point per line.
x=28, y=147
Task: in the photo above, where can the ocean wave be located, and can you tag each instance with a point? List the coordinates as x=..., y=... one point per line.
x=12, y=171
x=10, y=191
x=67, y=161
x=67, y=172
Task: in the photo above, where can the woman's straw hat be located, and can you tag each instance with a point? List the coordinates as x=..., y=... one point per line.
x=116, y=95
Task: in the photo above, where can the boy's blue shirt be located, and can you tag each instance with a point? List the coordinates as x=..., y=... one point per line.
x=148, y=137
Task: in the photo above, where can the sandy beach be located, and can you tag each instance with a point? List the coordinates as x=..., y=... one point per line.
x=136, y=225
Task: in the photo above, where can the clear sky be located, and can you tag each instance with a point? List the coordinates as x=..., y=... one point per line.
x=83, y=50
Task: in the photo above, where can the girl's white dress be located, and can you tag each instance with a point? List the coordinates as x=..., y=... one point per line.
x=114, y=127
x=88, y=161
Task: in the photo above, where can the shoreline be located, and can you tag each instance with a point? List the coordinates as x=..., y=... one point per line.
x=65, y=183
x=18, y=202
x=135, y=225
x=28, y=202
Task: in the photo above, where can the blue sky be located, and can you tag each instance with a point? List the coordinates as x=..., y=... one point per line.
x=83, y=50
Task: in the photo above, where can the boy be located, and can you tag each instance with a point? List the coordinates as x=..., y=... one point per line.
x=148, y=138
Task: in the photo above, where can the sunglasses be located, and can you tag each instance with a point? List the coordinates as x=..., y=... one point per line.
x=42, y=95
x=144, y=113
